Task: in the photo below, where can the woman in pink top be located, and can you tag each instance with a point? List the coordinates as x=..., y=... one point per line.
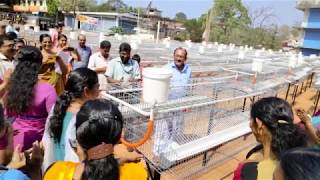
x=55, y=34
x=28, y=100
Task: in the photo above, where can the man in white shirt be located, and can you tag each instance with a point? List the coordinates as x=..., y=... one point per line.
x=7, y=53
x=10, y=27
x=99, y=61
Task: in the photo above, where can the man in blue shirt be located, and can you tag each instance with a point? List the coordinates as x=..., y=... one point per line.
x=84, y=52
x=167, y=132
x=181, y=74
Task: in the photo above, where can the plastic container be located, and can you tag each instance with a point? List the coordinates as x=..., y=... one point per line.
x=37, y=29
x=101, y=37
x=257, y=65
x=156, y=84
x=73, y=35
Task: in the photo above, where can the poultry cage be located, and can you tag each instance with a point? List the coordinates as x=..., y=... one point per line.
x=197, y=118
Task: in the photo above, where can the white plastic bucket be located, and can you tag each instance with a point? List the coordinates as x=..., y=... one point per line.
x=156, y=84
x=101, y=37
x=73, y=35
x=257, y=65
x=37, y=29
x=26, y=27
x=51, y=30
x=201, y=50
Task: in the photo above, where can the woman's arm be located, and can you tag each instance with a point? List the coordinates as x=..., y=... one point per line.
x=7, y=144
x=62, y=65
x=4, y=84
x=9, y=148
x=306, y=120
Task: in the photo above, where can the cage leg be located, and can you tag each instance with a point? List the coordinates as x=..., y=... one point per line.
x=312, y=74
x=294, y=95
x=205, y=158
x=244, y=104
x=253, y=99
x=288, y=90
x=153, y=174
x=317, y=101
x=301, y=88
x=157, y=175
x=306, y=86
x=315, y=98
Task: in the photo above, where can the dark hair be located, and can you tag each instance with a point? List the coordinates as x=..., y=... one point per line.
x=257, y=148
x=3, y=38
x=270, y=110
x=74, y=88
x=12, y=35
x=301, y=163
x=2, y=118
x=62, y=36
x=42, y=36
x=20, y=40
x=105, y=44
x=24, y=78
x=181, y=48
x=58, y=25
x=125, y=47
x=136, y=57
x=99, y=121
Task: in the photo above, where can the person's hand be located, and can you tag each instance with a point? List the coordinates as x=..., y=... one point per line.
x=303, y=116
x=35, y=154
x=122, y=153
x=75, y=55
x=18, y=159
x=7, y=75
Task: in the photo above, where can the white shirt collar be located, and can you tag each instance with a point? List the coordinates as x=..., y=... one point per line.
x=3, y=57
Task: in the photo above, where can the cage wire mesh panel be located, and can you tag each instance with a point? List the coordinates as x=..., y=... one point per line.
x=185, y=126
x=201, y=121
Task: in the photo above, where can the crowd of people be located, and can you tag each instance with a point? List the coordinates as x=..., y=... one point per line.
x=53, y=125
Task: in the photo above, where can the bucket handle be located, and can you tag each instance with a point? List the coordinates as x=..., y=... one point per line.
x=140, y=142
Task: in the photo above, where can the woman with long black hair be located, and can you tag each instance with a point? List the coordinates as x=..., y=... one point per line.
x=98, y=129
x=28, y=100
x=272, y=125
x=82, y=85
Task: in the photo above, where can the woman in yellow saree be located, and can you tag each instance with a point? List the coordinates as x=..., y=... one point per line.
x=98, y=130
x=53, y=68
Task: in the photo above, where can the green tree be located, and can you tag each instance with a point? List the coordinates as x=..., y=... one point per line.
x=229, y=15
x=73, y=5
x=180, y=16
x=115, y=29
x=116, y=4
x=195, y=29
x=52, y=7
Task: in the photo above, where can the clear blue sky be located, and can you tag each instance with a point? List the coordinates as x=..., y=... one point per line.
x=284, y=10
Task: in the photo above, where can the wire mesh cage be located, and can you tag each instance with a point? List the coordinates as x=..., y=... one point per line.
x=203, y=117
x=196, y=118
